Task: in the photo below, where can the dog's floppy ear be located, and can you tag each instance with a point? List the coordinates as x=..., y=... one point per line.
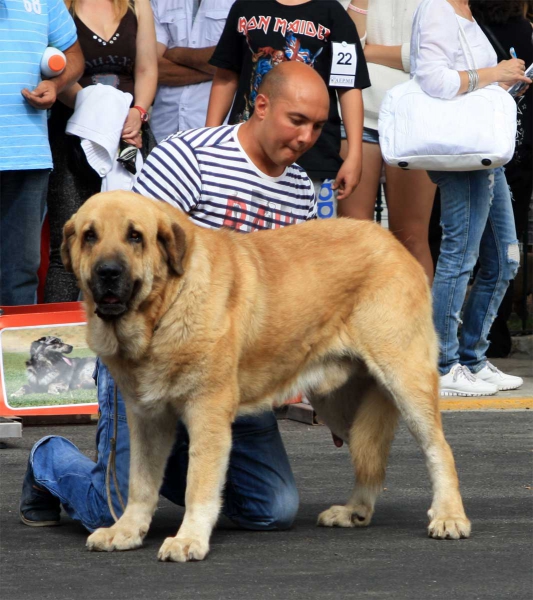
x=68, y=233
x=171, y=238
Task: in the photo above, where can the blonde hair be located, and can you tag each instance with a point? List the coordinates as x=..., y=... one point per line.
x=121, y=7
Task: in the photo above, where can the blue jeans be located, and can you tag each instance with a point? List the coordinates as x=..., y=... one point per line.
x=477, y=222
x=22, y=204
x=260, y=490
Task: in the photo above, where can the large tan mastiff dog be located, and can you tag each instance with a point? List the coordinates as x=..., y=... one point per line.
x=204, y=325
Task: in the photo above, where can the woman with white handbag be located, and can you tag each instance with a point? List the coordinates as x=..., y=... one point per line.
x=452, y=59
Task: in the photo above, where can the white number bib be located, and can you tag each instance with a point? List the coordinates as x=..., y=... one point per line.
x=343, y=65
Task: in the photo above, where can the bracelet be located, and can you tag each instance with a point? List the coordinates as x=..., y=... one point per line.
x=473, y=81
x=356, y=9
x=144, y=114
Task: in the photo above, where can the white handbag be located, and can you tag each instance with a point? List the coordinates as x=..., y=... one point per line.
x=470, y=132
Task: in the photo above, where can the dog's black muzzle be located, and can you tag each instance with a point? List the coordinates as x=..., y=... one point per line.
x=112, y=287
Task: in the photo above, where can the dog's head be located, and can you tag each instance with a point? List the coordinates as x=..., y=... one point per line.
x=120, y=246
x=46, y=354
x=47, y=350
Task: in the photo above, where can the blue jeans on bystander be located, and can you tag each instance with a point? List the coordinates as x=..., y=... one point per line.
x=477, y=222
x=260, y=491
x=22, y=204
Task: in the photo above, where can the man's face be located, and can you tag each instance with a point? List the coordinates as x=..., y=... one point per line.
x=292, y=124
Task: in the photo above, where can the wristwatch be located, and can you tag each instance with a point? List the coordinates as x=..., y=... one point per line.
x=144, y=114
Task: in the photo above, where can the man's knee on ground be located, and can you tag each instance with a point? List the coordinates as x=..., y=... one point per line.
x=277, y=515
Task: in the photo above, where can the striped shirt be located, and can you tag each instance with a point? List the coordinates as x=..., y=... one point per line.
x=206, y=173
x=27, y=27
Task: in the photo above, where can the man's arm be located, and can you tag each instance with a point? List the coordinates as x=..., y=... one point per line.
x=45, y=94
x=194, y=58
x=173, y=74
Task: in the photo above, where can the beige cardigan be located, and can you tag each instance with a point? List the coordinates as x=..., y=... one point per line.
x=388, y=24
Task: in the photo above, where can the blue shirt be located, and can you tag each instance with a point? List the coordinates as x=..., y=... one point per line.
x=27, y=27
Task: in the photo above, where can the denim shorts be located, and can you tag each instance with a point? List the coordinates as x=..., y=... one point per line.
x=370, y=136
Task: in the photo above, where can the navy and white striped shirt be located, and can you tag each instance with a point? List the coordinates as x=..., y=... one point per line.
x=206, y=173
x=27, y=27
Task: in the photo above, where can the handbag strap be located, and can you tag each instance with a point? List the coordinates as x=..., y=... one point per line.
x=465, y=46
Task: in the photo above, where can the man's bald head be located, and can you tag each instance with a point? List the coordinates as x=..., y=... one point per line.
x=293, y=77
x=291, y=107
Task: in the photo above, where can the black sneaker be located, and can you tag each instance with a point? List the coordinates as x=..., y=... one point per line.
x=38, y=507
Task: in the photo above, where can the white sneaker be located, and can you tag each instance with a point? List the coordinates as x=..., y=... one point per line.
x=461, y=382
x=492, y=374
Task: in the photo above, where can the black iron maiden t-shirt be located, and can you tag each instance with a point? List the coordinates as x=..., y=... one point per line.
x=260, y=34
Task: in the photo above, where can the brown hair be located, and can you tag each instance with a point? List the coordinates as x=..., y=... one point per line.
x=121, y=7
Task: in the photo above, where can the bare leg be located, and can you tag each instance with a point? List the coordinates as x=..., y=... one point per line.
x=410, y=196
x=209, y=427
x=360, y=205
x=151, y=438
x=371, y=435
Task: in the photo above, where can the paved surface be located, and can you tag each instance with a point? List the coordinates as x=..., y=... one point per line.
x=392, y=558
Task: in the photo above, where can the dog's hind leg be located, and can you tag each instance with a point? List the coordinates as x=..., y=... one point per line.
x=209, y=425
x=370, y=437
x=151, y=438
x=413, y=383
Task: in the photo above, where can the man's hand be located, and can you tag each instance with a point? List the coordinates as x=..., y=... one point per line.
x=43, y=96
x=347, y=178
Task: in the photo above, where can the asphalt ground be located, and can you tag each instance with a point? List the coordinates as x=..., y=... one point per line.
x=392, y=558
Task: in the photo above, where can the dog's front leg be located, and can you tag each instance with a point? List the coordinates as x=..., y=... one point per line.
x=151, y=438
x=209, y=427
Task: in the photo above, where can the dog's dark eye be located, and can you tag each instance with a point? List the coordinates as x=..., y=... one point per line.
x=135, y=236
x=89, y=236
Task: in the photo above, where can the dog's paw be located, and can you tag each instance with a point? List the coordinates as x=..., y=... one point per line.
x=109, y=539
x=448, y=527
x=183, y=549
x=345, y=516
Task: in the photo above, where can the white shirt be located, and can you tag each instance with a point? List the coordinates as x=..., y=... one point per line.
x=177, y=108
x=436, y=52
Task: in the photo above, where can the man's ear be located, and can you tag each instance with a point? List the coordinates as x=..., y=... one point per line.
x=261, y=105
x=171, y=238
x=68, y=233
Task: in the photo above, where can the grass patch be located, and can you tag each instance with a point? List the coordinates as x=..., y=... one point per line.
x=15, y=377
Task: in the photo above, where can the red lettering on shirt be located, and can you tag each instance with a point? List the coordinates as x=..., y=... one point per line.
x=294, y=26
x=241, y=27
x=299, y=26
x=323, y=32
x=264, y=22
x=280, y=24
x=310, y=29
x=234, y=211
x=252, y=24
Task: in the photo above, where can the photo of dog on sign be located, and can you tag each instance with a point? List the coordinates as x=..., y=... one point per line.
x=47, y=366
